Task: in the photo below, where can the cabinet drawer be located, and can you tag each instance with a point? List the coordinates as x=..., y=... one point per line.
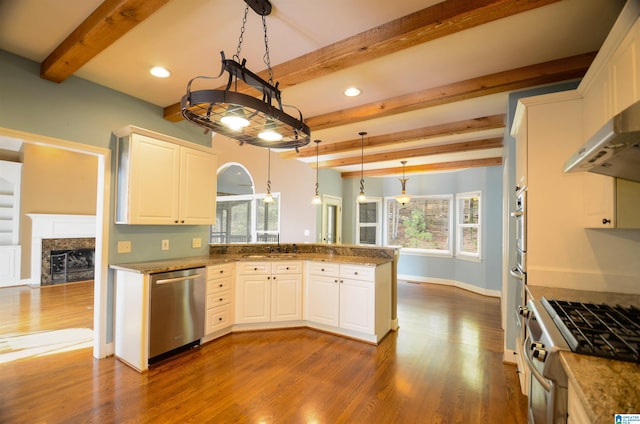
x=219, y=318
x=219, y=285
x=254, y=268
x=287, y=267
x=358, y=272
x=218, y=299
x=323, y=268
x=217, y=271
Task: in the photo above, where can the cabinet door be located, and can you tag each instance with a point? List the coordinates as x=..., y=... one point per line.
x=623, y=72
x=357, y=305
x=198, y=187
x=286, y=297
x=322, y=300
x=599, y=191
x=253, y=299
x=521, y=154
x=154, y=182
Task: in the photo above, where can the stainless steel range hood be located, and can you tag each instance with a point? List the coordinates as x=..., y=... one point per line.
x=614, y=150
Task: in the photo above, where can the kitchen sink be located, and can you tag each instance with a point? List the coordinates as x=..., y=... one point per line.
x=271, y=256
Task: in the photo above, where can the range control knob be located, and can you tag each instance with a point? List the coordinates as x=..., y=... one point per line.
x=536, y=345
x=524, y=311
x=540, y=354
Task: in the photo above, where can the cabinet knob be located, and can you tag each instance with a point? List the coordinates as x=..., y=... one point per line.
x=355, y=273
x=335, y=281
x=221, y=271
x=220, y=285
x=220, y=319
x=606, y=221
x=220, y=299
x=182, y=222
x=287, y=268
x=175, y=222
x=255, y=269
x=322, y=269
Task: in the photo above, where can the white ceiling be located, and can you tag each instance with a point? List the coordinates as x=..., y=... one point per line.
x=186, y=36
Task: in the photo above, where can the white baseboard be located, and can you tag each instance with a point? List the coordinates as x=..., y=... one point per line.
x=454, y=283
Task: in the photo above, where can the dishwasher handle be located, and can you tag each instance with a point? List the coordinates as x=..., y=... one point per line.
x=178, y=279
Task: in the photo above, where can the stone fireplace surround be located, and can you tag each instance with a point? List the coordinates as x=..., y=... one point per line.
x=56, y=226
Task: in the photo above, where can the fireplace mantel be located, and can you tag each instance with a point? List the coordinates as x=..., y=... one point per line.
x=47, y=226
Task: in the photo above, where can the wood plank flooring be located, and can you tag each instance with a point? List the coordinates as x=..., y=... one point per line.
x=444, y=365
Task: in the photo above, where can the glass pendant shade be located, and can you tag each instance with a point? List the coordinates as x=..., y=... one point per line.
x=268, y=198
x=269, y=132
x=235, y=119
x=403, y=198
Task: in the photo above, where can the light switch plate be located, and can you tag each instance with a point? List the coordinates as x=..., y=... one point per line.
x=124, y=247
x=165, y=244
x=196, y=242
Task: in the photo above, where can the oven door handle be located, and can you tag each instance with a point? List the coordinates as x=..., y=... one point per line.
x=517, y=273
x=534, y=371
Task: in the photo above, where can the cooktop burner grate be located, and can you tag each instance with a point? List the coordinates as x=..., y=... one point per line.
x=597, y=329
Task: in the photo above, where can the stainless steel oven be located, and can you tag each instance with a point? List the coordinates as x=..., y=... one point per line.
x=519, y=271
x=548, y=383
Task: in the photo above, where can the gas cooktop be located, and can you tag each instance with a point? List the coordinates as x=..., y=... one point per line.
x=598, y=329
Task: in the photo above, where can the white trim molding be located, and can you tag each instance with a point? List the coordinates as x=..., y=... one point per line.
x=453, y=283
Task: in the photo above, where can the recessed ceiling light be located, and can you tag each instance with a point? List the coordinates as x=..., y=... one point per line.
x=352, y=92
x=160, y=72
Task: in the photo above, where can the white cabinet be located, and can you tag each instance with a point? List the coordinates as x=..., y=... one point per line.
x=354, y=300
x=268, y=292
x=623, y=71
x=131, y=331
x=610, y=202
x=164, y=181
x=219, y=304
x=576, y=412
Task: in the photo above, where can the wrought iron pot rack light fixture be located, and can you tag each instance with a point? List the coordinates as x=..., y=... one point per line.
x=247, y=119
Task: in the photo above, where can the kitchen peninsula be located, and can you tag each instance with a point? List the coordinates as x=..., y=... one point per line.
x=345, y=290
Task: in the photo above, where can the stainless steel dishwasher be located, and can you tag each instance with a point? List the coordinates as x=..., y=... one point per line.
x=176, y=318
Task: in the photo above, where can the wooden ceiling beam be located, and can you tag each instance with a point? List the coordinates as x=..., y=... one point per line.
x=465, y=146
x=527, y=76
x=430, y=167
x=437, y=21
x=441, y=130
x=110, y=21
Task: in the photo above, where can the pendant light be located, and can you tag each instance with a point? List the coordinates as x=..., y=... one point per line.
x=317, y=200
x=256, y=120
x=361, y=197
x=268, y=198
x=403, y=198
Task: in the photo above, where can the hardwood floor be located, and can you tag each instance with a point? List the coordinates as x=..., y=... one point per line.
x=444, y=365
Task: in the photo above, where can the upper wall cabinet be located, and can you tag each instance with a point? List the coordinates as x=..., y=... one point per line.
x=613, y=80
x=164, y=181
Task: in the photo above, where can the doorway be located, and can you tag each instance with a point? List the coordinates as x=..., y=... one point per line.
x=101, y=348
x=331, y=219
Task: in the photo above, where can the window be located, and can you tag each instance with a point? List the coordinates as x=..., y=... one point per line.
x=246, y=219
x=468, y=225
x=422, y=224
x=368, y=229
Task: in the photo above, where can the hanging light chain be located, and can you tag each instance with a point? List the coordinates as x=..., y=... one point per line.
x=317, y=184
x=362, y=134
x=269, y=172
x=266, y=58
x=241, y=37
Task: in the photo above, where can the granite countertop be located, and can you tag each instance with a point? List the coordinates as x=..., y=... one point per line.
x=166, y=265
x=604, y=386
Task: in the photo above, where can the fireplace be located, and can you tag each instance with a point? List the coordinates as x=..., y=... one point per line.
x=61, y=234
x=67, y=260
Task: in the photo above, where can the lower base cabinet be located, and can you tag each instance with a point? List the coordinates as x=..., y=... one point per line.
x=353, y=300
x=576, y=414
x=268, y=292
x=220, y=299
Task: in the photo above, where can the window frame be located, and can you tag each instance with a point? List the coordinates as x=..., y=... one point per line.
x=459, y=226
x=254, y=198
x=441, y=253
x=378, y=224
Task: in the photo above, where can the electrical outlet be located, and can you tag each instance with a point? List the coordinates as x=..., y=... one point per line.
x=165, y=244
x=196, y=242
x=124, y=247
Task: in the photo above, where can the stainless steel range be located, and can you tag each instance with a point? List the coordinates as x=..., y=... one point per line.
x=552, y=326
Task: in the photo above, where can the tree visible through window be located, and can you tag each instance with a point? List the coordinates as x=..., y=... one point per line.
x=423, y=223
